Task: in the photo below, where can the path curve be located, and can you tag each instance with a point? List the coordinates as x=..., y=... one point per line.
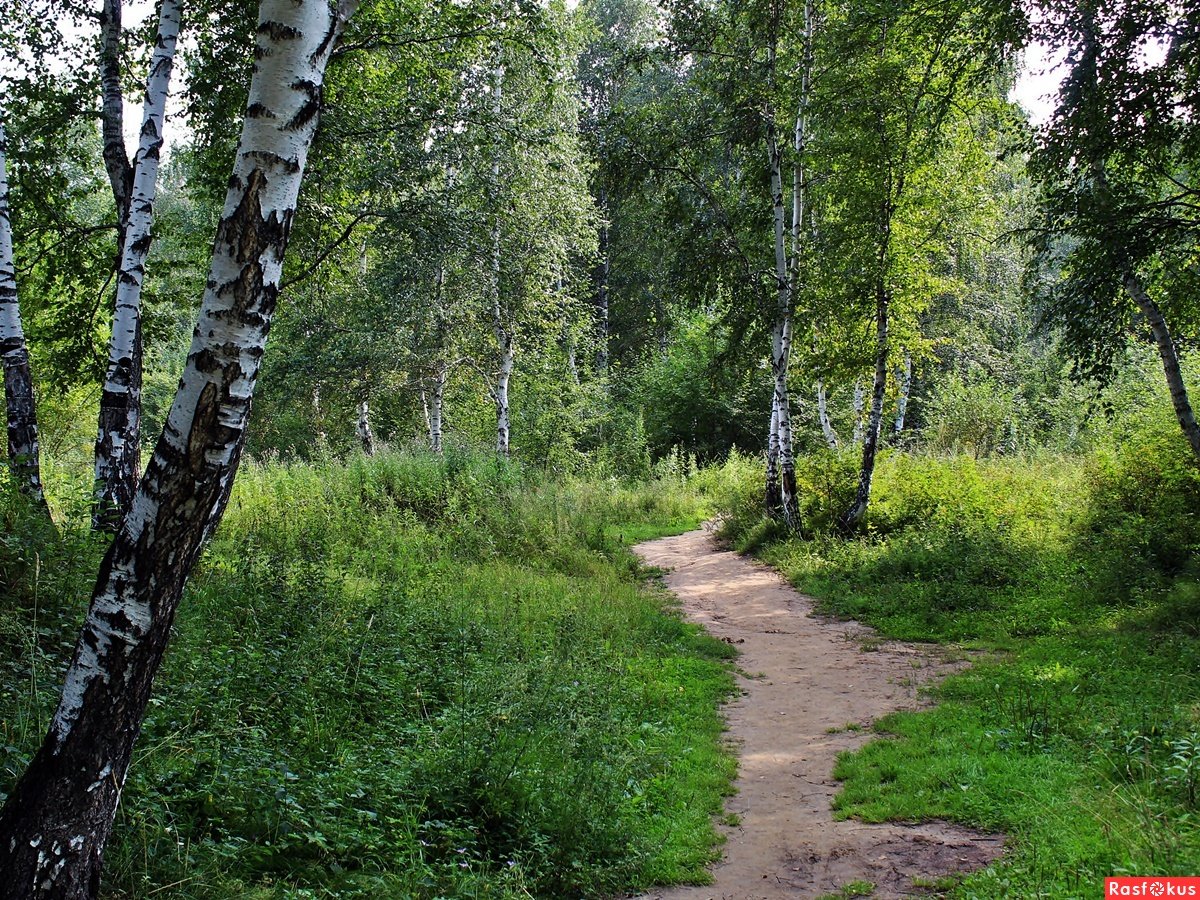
x=810, y=677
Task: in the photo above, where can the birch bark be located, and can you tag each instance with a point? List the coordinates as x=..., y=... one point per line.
x=831, y=438
x=904, y=376
x=771, y=496
x=118, y=439
x=780, y=492
x=112, y=118
x=1170, y=359
x=432, y=398
x=362, y=428
x=602, y=275
x=24, y=455
x=55, y=824
x=501, y=329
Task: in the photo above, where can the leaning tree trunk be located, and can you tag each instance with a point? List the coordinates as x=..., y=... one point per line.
x=1170, y=360
x=24, y=456
x=118, y=438
x=55, y=824
x=853, y=517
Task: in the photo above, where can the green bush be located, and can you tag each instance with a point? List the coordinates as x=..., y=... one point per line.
x=1142, y=527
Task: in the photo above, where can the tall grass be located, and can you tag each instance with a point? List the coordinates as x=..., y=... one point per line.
x=407, y=676
x=1075, y=578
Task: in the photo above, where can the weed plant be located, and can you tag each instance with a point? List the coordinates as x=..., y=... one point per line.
x=407, y=676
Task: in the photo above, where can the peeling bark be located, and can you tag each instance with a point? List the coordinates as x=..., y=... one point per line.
x=54, y=826
x=24, y=454
x=1170, y=360
x=118, y=438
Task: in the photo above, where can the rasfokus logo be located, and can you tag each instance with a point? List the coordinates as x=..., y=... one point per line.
x=1150, y=886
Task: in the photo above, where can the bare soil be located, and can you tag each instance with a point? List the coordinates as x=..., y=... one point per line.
x=810, y=688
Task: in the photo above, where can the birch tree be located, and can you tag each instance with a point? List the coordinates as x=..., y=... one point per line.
x=780, y=492
x=913, y=72
x=118, y=441
x=1117, y=163
x=54, y=825
x=24, y=456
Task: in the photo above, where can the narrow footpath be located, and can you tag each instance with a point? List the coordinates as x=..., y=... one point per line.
x=806, y=678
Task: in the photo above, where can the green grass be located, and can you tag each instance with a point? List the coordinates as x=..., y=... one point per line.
x=402, y=677
x=1077, y=730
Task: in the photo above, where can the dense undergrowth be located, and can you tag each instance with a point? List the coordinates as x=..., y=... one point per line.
x=399, y=677
x=1075, y=582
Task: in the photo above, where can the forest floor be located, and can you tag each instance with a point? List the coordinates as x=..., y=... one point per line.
x=810, y=689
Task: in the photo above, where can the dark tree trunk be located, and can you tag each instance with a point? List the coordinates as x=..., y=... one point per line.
x=54, y=826
x=853, y=517
x=112, y=118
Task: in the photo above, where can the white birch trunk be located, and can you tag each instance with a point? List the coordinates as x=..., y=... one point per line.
x=904, y=376
x=1170, y=360
x=363, y=428
x=831, y=438
x=503, y=333
x=435, y=408
x=118, y=439
x=602, y=302
x=24, y=454
x=441, y=369
x=771, y=500
x=780, y=496
x=55, y=824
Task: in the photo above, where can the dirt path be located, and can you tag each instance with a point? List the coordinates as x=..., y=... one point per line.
x=809, y=676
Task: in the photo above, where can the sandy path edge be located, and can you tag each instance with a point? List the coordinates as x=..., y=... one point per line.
x=809, y=675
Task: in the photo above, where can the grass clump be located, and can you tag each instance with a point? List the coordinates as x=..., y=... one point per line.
x=1075, y=731
x=407, y=676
